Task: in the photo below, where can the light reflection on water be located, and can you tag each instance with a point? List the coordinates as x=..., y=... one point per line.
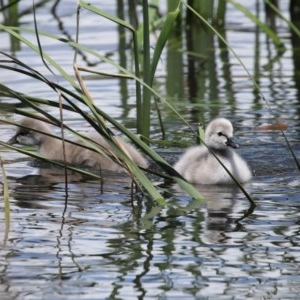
x=103, y=246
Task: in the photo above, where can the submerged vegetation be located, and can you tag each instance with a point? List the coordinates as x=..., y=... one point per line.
x=187, y=37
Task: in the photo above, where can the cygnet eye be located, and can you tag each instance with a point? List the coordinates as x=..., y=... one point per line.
x=22, y=133
x=220, y=133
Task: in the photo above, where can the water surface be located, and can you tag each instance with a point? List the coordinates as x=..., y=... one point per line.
x=104, y=241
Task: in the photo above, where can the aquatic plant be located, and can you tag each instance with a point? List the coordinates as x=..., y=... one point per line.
x=207, y=20
x=96, y=117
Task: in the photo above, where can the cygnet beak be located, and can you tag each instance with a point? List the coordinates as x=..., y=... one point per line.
x=231, y=143
x=13, y=140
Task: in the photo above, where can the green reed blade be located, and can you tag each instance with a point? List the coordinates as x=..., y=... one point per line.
x=6, y=200
x=268, y=30
x=166, y=30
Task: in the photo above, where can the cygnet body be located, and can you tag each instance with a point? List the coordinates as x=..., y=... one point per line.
x=198, y=165
x=52, y=148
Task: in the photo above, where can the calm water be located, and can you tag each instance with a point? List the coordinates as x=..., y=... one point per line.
x=101, y=242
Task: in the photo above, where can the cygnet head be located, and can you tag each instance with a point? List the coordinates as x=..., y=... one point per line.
x=219, y=134
x=28, y=136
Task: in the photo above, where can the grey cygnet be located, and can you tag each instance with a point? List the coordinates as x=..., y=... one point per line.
x=198, y=165
x=52, y=148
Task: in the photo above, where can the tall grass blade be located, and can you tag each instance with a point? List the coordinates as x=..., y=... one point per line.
x=77, y=73
x=277, y=11
x=200, y=134
x=5, y=192
x=104, y=14
x=60, y=102
x=276, y=40
x=58, y=164
x=38, y=40
x=141, y=121
x=146, y=102
x=120, y=22
x=226, y=43
x=249, y=75
x=139, y=176
x=157, y=158
x=12, y=31
x=97, y=55
x=95, y=111
x=221, y=12
x=162, y=39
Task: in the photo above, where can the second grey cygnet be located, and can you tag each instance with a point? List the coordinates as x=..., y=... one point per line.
x=52, y=148
x=198, y=165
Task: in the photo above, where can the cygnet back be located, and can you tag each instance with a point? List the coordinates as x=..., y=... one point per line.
x=52, y=148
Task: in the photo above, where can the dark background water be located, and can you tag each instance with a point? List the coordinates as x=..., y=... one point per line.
x=108, y=243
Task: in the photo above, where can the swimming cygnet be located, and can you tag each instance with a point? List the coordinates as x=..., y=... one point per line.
x=198, y=165
x=52, y=148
